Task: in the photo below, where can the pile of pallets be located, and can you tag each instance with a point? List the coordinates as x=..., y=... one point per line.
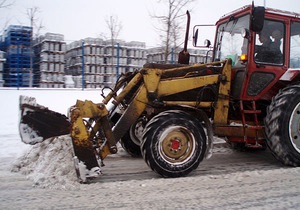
x=50, y=60
x=16, y=43
x=2, y=60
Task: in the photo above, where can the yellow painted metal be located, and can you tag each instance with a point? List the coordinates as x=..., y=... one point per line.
x=79, y=132
x=189, y=103
x=131, y=113
x=153, y=86
x=169, y=87
x=195, y=67
x=151, y=79
x=222, y=105
x=88, y=109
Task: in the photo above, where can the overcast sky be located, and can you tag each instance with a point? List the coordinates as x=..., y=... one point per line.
x=77, y=19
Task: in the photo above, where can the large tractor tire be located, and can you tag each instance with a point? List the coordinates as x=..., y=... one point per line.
x=130, y=146
x=131, y=141
x=282, y=126
x=174, y=143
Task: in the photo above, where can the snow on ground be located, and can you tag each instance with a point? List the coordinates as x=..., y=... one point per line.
x=50, y=158
x=54, y=99
x=49, y=165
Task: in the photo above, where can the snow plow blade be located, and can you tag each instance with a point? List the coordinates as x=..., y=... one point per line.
x=38, y=123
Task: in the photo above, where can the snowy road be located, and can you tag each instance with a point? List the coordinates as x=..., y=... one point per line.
x=229, y=180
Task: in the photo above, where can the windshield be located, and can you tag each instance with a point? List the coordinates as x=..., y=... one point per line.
x=230, y=43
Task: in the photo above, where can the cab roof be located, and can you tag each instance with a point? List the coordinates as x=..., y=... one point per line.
x=248, y=8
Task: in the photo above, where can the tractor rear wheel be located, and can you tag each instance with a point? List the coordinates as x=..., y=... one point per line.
x=130, y=146
x=131, y=141
x=174, y=143
x=282, y=125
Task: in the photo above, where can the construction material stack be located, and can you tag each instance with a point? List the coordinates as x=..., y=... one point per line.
x=84, y=58
x=100, y=62
x=16, y=44
x=49, y=62
x=2, y=60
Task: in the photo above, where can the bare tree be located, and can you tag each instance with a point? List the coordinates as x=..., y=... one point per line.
x=171, y=24
x=6, y=3
x=115, y=27
x=36, y=28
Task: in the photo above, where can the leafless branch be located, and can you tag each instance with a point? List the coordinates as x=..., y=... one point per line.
x=32, y=14
x=6, y=3
x=115, y=27
x=170, y=23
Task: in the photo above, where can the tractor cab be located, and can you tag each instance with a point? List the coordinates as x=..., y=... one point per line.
x=264, y=45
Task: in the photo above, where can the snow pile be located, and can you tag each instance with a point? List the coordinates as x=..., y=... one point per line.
x=49, y=164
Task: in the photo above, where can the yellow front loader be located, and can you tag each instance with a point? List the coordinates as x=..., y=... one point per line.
x=161, y=112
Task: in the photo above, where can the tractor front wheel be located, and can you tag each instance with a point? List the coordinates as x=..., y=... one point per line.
x=174, y=143
x=282, y=125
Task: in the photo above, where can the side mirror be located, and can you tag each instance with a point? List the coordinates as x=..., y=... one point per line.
x=257, y=19
x=207, y=43
x=195, y=38
x=203, y=33
x=245, y=33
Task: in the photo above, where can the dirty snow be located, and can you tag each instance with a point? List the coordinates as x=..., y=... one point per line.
x=42, y=176
x=49, y=164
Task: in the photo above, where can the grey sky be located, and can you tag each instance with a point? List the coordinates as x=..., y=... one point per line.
x=77, y=19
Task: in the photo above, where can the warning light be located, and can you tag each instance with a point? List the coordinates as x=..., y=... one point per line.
x=243, y=57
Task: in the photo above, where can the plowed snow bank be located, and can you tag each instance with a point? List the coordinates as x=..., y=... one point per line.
x=49, y=164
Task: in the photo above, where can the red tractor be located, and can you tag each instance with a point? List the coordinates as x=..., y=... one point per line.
x=249, y=94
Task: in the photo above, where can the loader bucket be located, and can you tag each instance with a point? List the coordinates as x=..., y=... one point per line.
x=38, y=123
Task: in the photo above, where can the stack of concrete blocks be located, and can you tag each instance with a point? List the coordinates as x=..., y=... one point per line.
x=136, y=55
x=157, y=55
x=85, y=57
x=103, y=62
x=50, y=52
x=2, y=60
x=200, y=56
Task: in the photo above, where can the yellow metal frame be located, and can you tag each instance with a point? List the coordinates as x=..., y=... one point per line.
x=153, y=87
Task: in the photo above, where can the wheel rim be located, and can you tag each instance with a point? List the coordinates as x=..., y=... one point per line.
x=176, y=145
x=294, y=128
x=136, y=131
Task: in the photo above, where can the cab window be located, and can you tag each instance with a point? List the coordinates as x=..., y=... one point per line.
x=295, y=45
x=269, y=43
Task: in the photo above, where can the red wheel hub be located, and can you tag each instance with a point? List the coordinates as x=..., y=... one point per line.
x=175, y=144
